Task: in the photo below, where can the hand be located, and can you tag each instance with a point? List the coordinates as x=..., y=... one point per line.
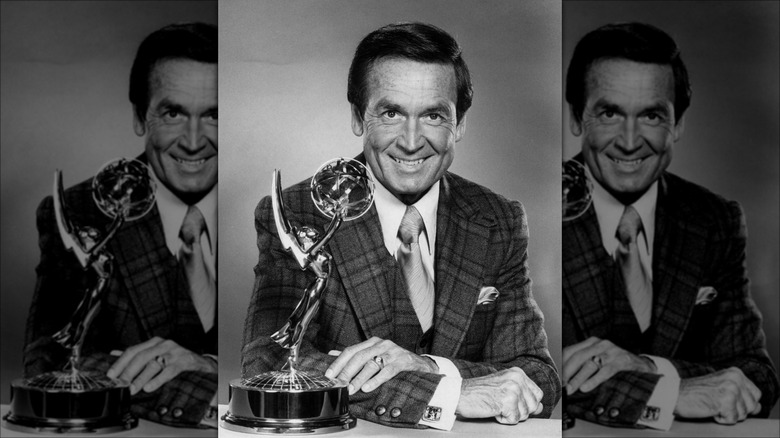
x=588, y=364
x=727, y=395
x=356, y=364
x=508, y=395
x=151, y=364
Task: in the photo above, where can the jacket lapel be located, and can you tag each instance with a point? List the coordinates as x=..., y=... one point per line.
x=681, y=236
x=367, y=271
x=461, y=248
x=147, y=270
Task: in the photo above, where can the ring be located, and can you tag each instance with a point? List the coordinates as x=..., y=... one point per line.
x=379, y=361
x=161, y=361
x=597, y=360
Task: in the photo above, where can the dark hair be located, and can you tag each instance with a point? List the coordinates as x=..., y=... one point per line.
x=414, y=41
x=637, y=42
x=195, y=41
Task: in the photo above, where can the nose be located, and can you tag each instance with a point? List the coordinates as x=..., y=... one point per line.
x=629, y=139
x=194, y=137
x=411, y=138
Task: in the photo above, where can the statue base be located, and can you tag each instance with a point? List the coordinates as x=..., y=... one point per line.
x=70, y=402
x=288, y=402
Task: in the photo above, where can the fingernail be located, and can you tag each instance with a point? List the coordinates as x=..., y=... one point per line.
x=568, y=390
x=133, y=389
x=367, y=387
x=111, y=373
x=329, y=373
x=351, y=389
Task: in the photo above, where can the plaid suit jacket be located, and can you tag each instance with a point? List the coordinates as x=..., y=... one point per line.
x=700, y=241
x=481, y=241
x=147, y=296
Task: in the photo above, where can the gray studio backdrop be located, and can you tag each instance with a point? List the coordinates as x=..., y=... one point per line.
x=731, y=142
x=283, y=79
x=65, y=71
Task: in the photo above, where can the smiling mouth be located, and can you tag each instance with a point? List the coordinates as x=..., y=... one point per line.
x=190, y=162
x=410, y=163
x=627, y=162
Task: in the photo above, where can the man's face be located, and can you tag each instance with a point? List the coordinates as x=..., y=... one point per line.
x=628, y=125
x=409, y=126
x=181, y=127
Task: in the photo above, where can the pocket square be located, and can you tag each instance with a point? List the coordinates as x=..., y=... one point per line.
x=705, y=295
x=487, y=295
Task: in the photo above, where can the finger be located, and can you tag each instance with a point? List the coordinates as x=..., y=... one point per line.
x=369, y=369
x=167, y=374
x=571, y=349
x=119, y=366
x=358, y=362
x=603, y=374
x=151, y=369
x=527, y=404
x=346, y=355
x=755, y=392
x=588, y=369
x=539, y=409
x=138, y=363
x=387, y=373
x=578, y=360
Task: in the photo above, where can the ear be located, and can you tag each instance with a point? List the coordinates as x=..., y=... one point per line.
x=357, y=121
x=460, y=129
x=574, y=126
x=678, y=129
x=138, y=126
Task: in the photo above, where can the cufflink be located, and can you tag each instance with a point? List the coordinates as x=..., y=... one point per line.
x=432, y=413
x=651, y=413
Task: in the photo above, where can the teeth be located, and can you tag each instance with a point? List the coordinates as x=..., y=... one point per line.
x=190, y=162
x=408, y=162
x=628, y=162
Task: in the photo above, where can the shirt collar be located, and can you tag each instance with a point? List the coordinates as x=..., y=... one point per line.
x=172, y=211
x=609, y=211
x=391, y=211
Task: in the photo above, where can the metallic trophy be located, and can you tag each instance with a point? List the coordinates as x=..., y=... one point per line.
x=73, y=400
x=577, y=190
x=292, y=400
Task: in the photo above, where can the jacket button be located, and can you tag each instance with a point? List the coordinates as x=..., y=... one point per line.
x=162, y=410
x=599, y=410
x=395, y=412
x=380, y=410
x=614, y=412
x=177, y=412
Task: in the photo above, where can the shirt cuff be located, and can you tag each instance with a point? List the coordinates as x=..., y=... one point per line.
x=440, y=413
x=659, y=411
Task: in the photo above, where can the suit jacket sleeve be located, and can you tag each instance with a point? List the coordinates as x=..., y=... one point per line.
x=61, y=283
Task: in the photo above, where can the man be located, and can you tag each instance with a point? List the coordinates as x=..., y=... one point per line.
x=158, y=311
x=658, y=318
x=469, y=339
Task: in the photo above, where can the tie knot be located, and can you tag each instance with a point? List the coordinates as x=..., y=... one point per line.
x=629, y=226
x=411, y=226
x=192, y=226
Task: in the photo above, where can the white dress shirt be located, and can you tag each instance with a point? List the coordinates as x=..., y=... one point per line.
x=391, y=211
x=609, y=211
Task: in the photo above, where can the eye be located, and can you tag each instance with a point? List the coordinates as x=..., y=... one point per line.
x=390, y=114
x=172, y=114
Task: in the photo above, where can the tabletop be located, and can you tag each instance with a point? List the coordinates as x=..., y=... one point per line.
x=479, y=428
x=145, y=428
x=752, y=427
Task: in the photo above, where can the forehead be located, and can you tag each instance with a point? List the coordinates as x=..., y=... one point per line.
x=183, y=78
x=403, y=78
x=625, y=81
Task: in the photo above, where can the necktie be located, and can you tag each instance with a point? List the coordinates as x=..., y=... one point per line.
x=419, y=283
x=203, y=288
x=639, y=288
